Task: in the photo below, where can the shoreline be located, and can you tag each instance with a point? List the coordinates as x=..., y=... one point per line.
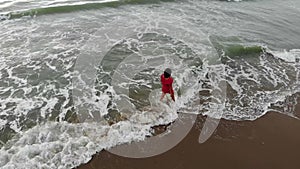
x=271, y=141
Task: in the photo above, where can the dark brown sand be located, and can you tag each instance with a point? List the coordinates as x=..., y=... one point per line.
x=270, y=142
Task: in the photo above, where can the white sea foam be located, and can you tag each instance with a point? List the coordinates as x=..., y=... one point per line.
x=66, y=145
x=234, y=0
x=2, y=123
x=289, y=56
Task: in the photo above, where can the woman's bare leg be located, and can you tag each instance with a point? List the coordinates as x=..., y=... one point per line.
x=162, y=96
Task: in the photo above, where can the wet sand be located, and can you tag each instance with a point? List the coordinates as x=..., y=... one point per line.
x=270, y=142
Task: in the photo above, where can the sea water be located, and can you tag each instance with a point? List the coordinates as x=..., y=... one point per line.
x=78, y=77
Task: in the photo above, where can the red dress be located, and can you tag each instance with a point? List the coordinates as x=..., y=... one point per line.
x=167, y=85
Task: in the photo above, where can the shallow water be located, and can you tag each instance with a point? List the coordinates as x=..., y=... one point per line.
x=100, y=61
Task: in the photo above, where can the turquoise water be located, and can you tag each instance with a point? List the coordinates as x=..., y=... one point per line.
x=64, y=62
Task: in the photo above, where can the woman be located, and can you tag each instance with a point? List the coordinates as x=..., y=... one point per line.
x=167, y=81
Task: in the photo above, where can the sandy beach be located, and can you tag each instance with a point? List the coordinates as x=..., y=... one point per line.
x=270, y=142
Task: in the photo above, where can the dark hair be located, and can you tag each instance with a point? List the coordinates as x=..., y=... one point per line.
x=166, y=75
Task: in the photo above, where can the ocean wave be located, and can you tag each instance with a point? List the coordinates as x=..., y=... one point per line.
x=67, y=145
x=72, y=7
